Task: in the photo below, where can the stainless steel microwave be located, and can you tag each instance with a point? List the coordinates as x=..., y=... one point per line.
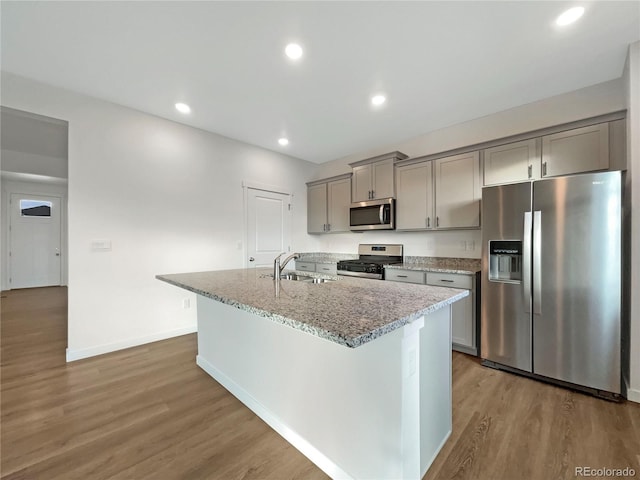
x=373, y=215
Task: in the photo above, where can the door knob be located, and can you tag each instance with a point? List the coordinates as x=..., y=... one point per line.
x=251, y=259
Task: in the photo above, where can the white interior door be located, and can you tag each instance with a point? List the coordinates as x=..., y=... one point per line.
x=34, y=244
x=268, y=226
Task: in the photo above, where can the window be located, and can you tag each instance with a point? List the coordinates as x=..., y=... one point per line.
x=35, y=208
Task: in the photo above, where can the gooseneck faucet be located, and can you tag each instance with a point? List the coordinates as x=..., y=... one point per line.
x=278, y=266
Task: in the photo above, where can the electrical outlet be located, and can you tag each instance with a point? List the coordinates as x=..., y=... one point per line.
x=186, y=303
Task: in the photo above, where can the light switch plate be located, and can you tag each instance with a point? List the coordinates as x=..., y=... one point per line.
x=103, y=245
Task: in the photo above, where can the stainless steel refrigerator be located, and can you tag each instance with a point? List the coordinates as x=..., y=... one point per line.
x=552, y=280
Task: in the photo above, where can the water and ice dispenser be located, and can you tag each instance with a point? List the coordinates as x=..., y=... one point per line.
x=505, y=261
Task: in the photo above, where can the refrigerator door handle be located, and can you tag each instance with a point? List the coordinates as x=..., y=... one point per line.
x=526, y=262
x=537, y=262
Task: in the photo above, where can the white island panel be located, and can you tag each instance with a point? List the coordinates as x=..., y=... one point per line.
x=382, y=410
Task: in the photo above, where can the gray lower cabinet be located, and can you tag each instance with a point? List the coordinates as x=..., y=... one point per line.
x=306, y=266
x=327, y=268
x=463, y=312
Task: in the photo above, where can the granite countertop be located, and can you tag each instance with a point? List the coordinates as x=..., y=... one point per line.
x=461, y=266
x=349, y=311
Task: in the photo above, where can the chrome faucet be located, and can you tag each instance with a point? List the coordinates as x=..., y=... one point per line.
x=278, y=265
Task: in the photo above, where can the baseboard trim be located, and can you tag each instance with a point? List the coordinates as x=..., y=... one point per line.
x=633, y=395
x=79, y=354
x=302, y=445
x=432, y=459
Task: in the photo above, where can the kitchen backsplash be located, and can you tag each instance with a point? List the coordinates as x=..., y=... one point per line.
x=451, y=243
x=323, y=257
x=442, y=262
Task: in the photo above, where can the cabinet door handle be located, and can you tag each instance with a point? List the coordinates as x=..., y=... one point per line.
x=530, y=170
x=437, y=221
x=373, y=194
x=324, y=227
x=328, y=227
x=544, y=169
x=428, y=222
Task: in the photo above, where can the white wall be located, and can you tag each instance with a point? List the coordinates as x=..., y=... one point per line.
x=167, y=196
x=23, y=162
x=588, y=102
x=632, y=74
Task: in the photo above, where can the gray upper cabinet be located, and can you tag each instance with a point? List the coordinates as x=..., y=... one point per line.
x=328, y=204
x=361, y=182
x=317, y=208
x=373, y=178
x=414, y=201
x=338, y=203
x=512, y=163
x=573, y=151
x=457, y=191
x=439, y=194
x=592, y=145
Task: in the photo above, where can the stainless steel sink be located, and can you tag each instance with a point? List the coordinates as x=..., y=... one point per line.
x=304, y=278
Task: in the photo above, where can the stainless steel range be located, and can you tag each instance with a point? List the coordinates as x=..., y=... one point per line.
x=373, y=258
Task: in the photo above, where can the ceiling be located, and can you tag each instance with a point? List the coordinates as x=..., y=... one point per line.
x=439, y=63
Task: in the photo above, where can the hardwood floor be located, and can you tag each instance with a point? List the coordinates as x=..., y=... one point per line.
x=150, y=412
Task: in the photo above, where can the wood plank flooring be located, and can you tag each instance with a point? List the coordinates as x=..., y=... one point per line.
x=150, y=412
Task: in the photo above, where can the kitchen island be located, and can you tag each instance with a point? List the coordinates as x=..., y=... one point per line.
x=355, y=373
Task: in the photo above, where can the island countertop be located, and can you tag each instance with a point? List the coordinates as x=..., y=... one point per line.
x=349, y=311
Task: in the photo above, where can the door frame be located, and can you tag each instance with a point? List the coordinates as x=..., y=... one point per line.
x=246, y=185
x=57, y=189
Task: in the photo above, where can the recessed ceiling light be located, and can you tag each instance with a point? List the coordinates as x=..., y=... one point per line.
x=183, y=108
x=378, y=100
x=283, y=141
x=569, y=16
x=293, y=51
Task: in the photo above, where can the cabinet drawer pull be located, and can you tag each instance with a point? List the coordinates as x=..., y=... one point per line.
x=448, y=281
x=401, y=276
